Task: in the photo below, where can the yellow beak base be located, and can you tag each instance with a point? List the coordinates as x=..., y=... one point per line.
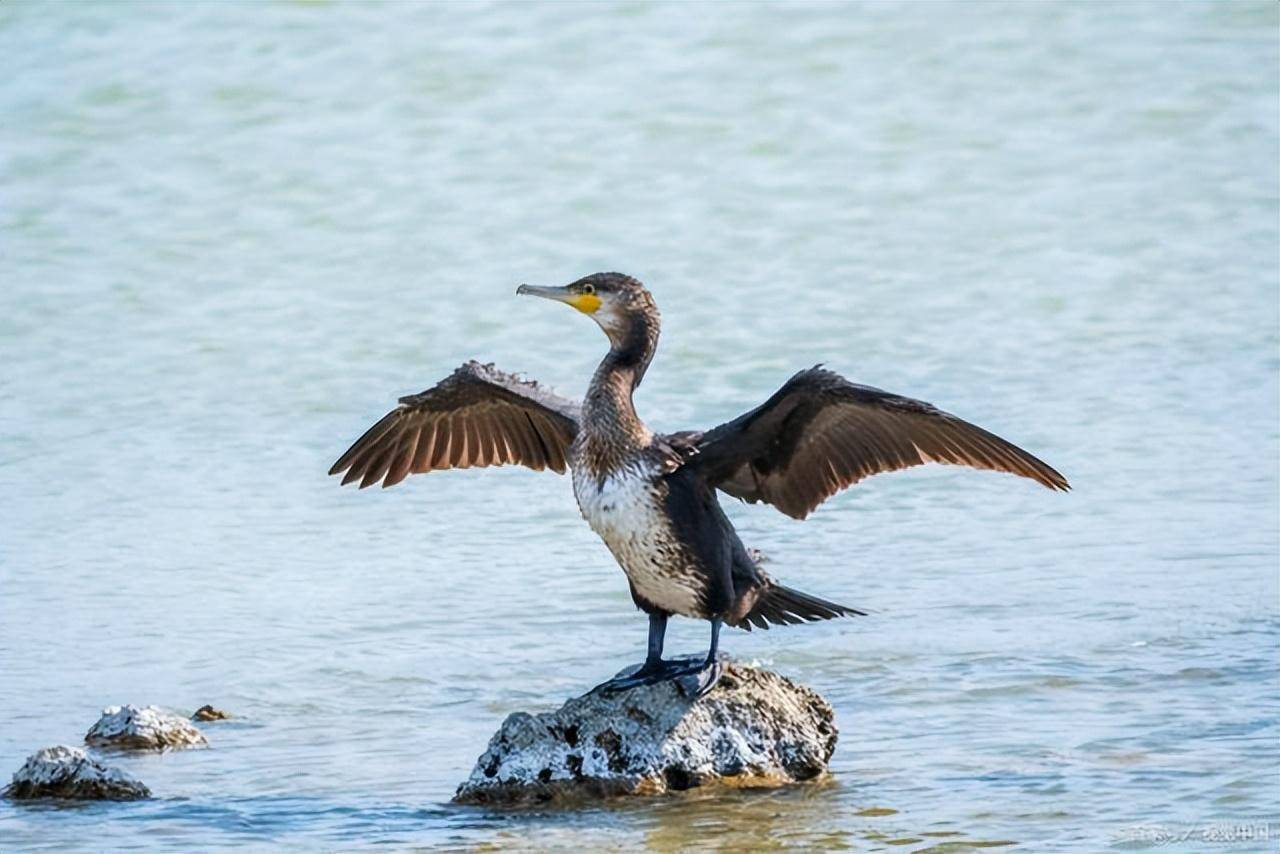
x=585, y=303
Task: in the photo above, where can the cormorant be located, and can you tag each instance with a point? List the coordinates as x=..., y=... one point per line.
x=653, y=498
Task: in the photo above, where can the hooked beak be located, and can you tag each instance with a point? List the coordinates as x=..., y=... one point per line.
x=557, y=294
x=585, y=303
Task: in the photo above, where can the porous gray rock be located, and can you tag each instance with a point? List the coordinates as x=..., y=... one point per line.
x=146, y=728
x=69, y=772
x=755, y=728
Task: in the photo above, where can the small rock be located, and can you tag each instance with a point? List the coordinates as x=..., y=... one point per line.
x=68, y=772
x=755, y=728
x=209, y=713
x=146, y=728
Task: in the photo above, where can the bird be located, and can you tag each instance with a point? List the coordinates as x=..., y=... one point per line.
x=654, y=498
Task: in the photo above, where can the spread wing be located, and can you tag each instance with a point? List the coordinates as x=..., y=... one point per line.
x=821, y=433
x=477, y=416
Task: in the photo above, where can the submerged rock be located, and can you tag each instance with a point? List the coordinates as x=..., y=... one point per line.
x=755, y=728
x=209, y=713
x=69, y=772
x=146, y=728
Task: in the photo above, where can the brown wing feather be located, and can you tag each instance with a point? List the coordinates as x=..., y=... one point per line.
x=820, y=434
x=477, y=416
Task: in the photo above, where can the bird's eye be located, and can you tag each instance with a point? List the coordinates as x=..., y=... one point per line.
x=588, y=289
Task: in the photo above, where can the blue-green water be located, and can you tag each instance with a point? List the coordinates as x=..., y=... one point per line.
x=231, y=235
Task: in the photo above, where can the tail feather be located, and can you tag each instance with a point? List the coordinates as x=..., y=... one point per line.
x=778, y=605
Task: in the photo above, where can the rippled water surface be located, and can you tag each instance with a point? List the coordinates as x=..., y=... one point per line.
x=231, y=235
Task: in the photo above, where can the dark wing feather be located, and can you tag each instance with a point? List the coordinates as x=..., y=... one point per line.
x=821, y=433
x=478, y=416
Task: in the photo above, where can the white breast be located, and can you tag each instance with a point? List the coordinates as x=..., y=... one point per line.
x=626, y=511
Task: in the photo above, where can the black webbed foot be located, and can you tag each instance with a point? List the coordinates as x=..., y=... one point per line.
x=694, y=676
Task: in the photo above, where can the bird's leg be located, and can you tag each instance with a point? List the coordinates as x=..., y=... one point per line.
x=706, y=675
x=654, y=668
x=695, y=676
x=657, y=633
x=715, y=643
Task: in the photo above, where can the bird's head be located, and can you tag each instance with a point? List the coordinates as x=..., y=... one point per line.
x=622, y=306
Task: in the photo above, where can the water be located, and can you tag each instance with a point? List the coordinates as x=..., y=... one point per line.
x=230, y=237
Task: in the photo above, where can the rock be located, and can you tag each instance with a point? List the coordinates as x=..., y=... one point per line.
x=209, y=713
x=755, y=728
x=146, y=728
x=68, y=772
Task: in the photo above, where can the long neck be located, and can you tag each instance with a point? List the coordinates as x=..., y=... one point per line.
x=611, y=426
